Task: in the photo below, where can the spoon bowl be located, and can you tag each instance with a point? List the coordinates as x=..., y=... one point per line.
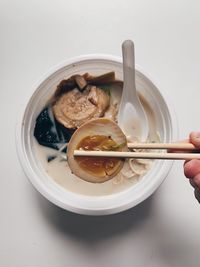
x=131, y=116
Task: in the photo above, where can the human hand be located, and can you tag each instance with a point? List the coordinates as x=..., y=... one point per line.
x=192, y=167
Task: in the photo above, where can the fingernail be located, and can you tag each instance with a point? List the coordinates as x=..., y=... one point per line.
x=196, y=135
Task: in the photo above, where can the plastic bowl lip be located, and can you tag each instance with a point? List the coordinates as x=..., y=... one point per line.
x=38, y=184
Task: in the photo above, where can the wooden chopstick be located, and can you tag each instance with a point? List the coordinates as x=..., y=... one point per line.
x=175, y=146
x=139, y=155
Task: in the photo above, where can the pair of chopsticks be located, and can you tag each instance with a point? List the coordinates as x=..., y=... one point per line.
x=184, y=149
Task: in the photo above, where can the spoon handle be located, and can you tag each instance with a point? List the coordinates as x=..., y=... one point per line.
x=129, y=65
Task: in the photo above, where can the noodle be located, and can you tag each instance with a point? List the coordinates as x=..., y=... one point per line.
x=136, y=168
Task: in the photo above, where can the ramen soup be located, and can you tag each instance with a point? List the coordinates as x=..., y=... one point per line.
x=89, y=105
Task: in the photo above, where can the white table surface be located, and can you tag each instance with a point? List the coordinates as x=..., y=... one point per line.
x=35, y=35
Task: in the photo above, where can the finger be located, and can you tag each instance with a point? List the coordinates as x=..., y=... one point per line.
x=195, y=139
x=197, y=194
x=192, y=168
x=193, y=184
x=185, y=162
x=196, y=180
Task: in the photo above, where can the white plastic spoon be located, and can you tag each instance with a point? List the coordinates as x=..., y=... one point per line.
x=131, y=116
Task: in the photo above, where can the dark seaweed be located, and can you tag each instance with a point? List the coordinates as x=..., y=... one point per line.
x=50, y=158
x=49, y=132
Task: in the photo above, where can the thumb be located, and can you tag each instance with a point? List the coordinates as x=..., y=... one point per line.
x=195, y=139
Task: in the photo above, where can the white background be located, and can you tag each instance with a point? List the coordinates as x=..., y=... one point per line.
x=35, y=35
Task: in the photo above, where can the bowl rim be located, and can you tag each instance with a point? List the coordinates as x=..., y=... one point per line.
x=42, y=189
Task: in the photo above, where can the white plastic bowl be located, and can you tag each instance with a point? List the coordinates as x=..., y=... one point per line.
x=92, y=205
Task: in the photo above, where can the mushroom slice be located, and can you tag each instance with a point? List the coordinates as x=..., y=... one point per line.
x=102, y=79
x=80, y=81
x=74, y=108
x=97, y=134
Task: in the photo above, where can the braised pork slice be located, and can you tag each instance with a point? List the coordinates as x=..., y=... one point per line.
x=74, y=108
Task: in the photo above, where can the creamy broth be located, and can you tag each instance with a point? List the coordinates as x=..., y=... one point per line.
x=132, y=171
